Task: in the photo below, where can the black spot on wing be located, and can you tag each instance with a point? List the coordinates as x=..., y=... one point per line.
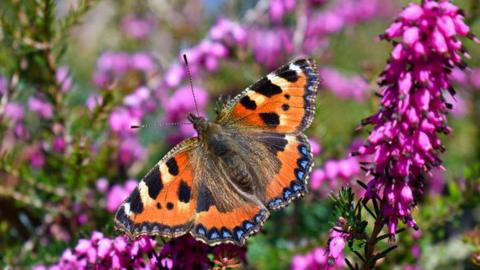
x=169, y=206
x=205, y=199
x=153, y=180
x=287, y=74
x=271, y=119
x=184, y=191
x=285, y=107
x=136, y=204
x=266, y=87
x=287, y=96
x=248, y=103
x=172, y=166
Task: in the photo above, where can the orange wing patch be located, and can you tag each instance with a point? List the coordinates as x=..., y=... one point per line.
x=215, y=227
x=283, y=101
x=296, y=161
x=164, y=202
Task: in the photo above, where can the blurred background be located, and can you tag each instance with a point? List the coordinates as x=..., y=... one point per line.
x=76, y=74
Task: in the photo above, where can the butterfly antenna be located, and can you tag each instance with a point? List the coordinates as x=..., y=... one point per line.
x=191, y=84
x=148, y=125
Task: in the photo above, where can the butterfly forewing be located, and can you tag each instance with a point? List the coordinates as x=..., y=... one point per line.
x=282, y=101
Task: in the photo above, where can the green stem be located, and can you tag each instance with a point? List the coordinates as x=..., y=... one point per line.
x=370, y=256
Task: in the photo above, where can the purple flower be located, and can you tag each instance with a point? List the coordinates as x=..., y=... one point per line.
x=93, y=101
x=315, y=260
x=117, y=194
x=14, y=111
x=59, y=144
x=130, y=150
x=100, y=252
x=405, y=141
x=228, y=32
x=136, y=27
x=279, y=8
x=316, y=147
x=181, y=103
x=174, y=75
x=121, y=119
x=271, y=46
x=63, y=79
x=341, y=86
x=41, y=107
x=336, y=244
x=102, y=185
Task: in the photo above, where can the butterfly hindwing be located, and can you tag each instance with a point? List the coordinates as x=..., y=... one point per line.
x=164, y=201
x=224, y=213
x=282, y=101
x=293, y=153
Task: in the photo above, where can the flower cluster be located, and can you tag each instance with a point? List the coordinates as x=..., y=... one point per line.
x=134, y=73
x=336, y=17
x=116, y=194
x=100, y=252
x=335, y=173
x=405, y=141
x=138, y=27
x=342, y=86
x=317, y=259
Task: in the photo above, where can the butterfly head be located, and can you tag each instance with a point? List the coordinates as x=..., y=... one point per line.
x=199, y=123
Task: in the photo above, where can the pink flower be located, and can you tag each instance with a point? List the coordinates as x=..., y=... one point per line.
x=40, y=106
x=342, y=86
x=137, y=27
x=405, y=142
x=117, y=194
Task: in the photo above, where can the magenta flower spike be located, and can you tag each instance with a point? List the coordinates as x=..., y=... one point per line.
x=405, y=140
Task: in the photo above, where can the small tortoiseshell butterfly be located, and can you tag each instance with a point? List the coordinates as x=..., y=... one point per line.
x=253, y=158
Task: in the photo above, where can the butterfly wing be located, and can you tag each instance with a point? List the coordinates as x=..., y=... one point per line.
x=225, y=213
x=282, y=101
x=163, y=203
x=189, y=191
x=294, y=157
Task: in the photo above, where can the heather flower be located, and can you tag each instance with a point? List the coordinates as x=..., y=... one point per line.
x=279, y=8
x=121, y=119
x=117, y=194
x=58, y=144
x=181, y=102
x=36, y=156
x=270, y=46
x=404, y=142
x=336, y=245
x=335, y=18
x=63, y=79
x=100, y=252
x=136, y=27
x=334, y=174
x=315, y=260
x=93, y=101
x=342, y=86
x=14, y=111
x=130, y=150
x=315, y=146
x=43, y=108
x=228, y=32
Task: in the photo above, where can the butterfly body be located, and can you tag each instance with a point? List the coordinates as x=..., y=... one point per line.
x=253, y=158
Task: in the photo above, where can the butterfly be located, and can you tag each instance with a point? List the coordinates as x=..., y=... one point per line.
x=221, y=185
